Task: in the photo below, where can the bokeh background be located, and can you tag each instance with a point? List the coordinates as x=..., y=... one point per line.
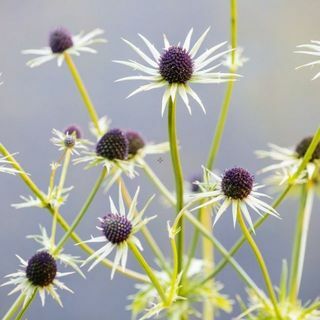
x=271, y=103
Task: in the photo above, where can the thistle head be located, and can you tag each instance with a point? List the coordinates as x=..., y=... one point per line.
x=195, y=187
x=303, y=146
x=116, y=228
x=60, y=40
x=73, y=130
x=176, y=65
x=237, y=183
x=135, y=142
x=41, y=269
x=113, y=145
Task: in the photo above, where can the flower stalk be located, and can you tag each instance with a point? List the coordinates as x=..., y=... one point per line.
x=83, y=91
x=261, y=262
x=14, y=308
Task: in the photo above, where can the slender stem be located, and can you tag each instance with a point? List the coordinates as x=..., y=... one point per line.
x=28, y=304
x=177, y=169
x=153, y=278
x=82, y=212
x=260, y=261
x=83, y=91
x=38, y=193
x=14, y=308
x=145, y=231
x=227, y=99
x=63, y=176
x=175, y=268
x=300, y=241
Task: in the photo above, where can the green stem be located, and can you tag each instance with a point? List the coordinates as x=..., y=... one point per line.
x=227, y=99
x=177, y=169
x=300, y=241
x=63, y=176
x=83, y=91
x=82, y=212
x=153, y=278
x=28, y=304
x=261, y=262
x=65, y=226
x=14, y=308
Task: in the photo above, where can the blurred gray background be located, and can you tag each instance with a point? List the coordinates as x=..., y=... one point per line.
x=272, y=103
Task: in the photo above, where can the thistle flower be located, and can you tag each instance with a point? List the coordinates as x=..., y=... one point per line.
x=111, y=151
x=61, y=41
x=4, y=162
x=118, y=228
x=69, y=139
x=312, y=49
x=236, y=188
x=39, y=272
x=239, y=59
x=176, y=67
x=289, y=160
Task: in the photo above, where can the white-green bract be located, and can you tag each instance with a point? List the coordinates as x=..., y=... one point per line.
x=312, y=49
x=239, y=59
x=23, y=284
x=201, y=69
x=212, y=193
x=135, y=218
x=287, y=163
x=4, y=162
x=81, y=43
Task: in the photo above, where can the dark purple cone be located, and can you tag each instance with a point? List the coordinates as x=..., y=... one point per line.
x=60, y=40
x=135, y=142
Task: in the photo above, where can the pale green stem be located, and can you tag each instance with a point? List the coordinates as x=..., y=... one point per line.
x=37, y=192
x=63, y=176
x=300, y=242
x=153, y=278
x=175, y=269
x=261, y=262
x=82, y=212
x=83, y=91
x=14, y=308
x=278, y=201
x=26, y=307
x=177, y=169
x=145, y=231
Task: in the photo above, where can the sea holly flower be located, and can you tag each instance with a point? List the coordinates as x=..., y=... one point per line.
x=62, y=41
x=239, y=59
x=111, y=151
x=46, y=245
x=119, y=227
x=176, y=67
x=39, y=272
x=312, y=49
x=236, y=188
x=288, y=160
x=146, y=299
x=70, y=139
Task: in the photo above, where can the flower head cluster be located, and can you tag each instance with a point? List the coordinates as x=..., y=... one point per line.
x=288, y=160
x=176, y=67
x=236, y=188
x=117, y=229
x=60, y=42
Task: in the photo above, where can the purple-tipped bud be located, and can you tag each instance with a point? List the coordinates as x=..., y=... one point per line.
x=176, y=65
x=41, y=269
x=135, y=142
x=116, y=228
x=73, y=130
x=303, y=146
x=196, y=178
x=237, y=183
x=60, y=40
x=113, y=145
